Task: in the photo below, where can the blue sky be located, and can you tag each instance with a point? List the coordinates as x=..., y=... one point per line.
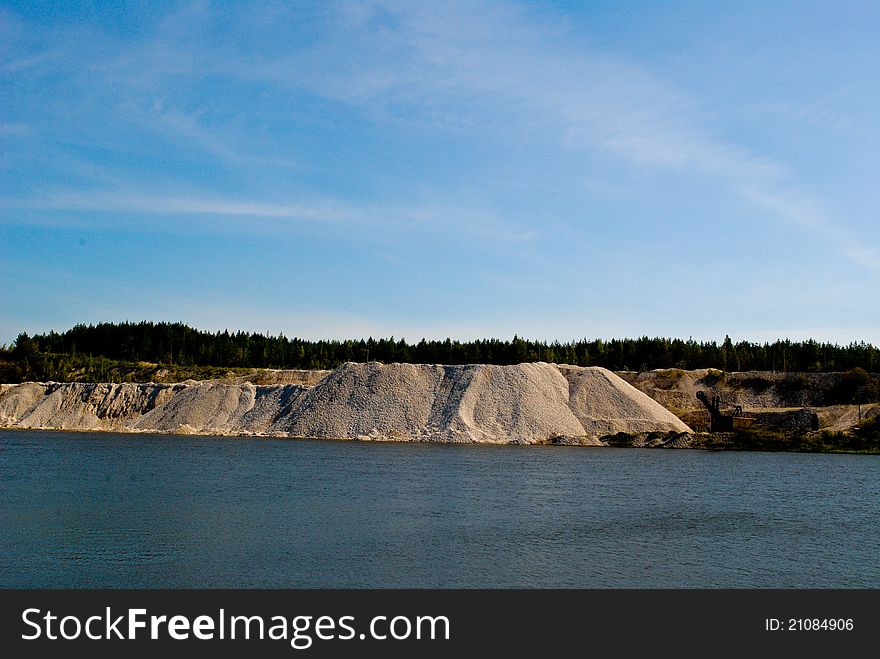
x=557, y=170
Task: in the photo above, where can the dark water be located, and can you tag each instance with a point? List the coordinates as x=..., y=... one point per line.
x=90, y=510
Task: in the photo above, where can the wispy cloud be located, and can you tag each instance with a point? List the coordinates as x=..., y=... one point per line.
x=225, y=144
x=514, y=70
x=15, y=130
x=187, y=127
x=486, y=69
x=382, y=218
x=158, y=203
x=807, y=212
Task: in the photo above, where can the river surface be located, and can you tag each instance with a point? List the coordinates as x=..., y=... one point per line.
x=107, y=510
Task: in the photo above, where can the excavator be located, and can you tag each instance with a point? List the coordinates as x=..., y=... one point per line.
x=724, y=422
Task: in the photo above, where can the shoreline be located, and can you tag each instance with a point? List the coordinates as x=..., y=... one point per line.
x=693, y=442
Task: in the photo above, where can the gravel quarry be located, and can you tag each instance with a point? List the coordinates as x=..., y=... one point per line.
x=534, y=403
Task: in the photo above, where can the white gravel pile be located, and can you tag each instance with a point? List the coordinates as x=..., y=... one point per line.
x=605, y=404
x=270, y=404
x=17, y=402
x=208, y=408
x=80, y=406
x=365, y=400
x=525, y=403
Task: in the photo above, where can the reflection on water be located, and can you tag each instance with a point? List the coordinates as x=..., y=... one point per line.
x=103, y=510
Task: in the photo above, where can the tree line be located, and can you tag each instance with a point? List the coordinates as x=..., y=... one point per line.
x=179, y=344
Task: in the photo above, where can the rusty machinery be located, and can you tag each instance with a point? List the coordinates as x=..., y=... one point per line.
x=721, y=422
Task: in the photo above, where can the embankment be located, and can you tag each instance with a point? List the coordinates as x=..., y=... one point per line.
x=778, y=401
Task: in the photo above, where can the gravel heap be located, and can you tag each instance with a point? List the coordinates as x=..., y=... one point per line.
x=525, y=403
x=80, y=406
x=606, y=404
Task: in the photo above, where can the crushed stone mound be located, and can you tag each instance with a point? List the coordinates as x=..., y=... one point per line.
x=526, y=403
x=365, y=400
x=208, y=407
x=17, y=402
x=605, y=404
x=79, y=406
